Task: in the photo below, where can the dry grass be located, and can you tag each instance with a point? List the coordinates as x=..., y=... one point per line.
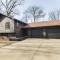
x=4, y=41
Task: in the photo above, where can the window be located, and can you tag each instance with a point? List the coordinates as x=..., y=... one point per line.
x=7, y=25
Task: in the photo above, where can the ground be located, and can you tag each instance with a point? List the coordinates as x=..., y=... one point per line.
x=32, y=49
x=5, y=42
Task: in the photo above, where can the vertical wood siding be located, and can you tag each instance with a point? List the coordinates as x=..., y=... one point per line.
x=50, y=32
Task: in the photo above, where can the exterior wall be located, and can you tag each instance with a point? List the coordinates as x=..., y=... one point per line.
x=29, y=33
x=14, y=30
x=53, y=32
x=7, y=34
x=36, y=33
x=24, y=32
x=44, y=32
x=2, y=26
x=18, y=29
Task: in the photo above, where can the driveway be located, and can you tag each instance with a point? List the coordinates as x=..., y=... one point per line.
x=32, y=49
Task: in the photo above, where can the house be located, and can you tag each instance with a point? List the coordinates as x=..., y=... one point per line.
x=10, y=27
x=46, y=29
x=15, y=28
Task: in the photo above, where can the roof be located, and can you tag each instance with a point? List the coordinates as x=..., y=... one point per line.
x=2, y=16
x=19, y=21
x=44, y=24
x=34, y=24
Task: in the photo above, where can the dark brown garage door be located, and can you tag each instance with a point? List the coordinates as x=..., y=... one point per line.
x=36, y=33
x=45, y=32
x=53, y=32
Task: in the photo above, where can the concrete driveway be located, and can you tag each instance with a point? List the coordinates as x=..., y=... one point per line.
x=32, y=49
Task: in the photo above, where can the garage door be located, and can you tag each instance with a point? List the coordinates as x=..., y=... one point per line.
x=53, y=32
x=36, y=33
x=47, y=32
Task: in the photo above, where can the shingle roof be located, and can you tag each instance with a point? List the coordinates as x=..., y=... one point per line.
x=43, y=24
x=2, y=16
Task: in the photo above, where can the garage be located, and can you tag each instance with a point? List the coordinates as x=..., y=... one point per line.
x=45, y=32
x=36, y=32
x=53, y=32
x=47, y=29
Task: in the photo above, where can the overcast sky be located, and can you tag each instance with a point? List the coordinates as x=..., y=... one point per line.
x=48, y=5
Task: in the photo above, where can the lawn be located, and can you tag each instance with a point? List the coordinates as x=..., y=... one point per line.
x=5, y=42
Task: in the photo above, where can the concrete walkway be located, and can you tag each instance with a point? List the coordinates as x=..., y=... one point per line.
x=32, y=49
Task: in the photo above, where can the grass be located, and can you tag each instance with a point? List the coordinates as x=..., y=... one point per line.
x=5, y=42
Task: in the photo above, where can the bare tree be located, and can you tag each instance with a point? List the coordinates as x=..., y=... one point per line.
x=25, y=16
x=35, y=12
x=9, y=7
x=54, y=15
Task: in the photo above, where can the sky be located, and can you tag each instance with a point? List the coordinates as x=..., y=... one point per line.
x=47, y=5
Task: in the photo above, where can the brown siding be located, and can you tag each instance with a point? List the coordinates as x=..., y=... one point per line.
x=53, y=32
x=37, y=33
x=18, y=29
x=50, y=32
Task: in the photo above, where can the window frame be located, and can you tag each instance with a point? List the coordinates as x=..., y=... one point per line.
x=7, y=25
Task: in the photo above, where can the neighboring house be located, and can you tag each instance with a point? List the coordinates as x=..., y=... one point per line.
x=10, y=27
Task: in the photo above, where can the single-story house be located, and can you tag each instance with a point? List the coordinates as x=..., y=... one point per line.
x=14, y=28
x=45, y=29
